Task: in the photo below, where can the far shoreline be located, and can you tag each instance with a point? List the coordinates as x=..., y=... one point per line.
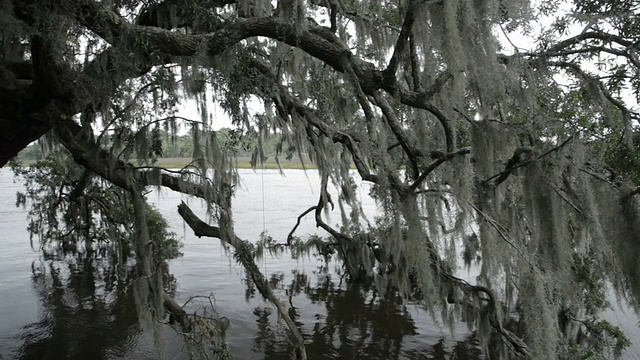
x=238, y=163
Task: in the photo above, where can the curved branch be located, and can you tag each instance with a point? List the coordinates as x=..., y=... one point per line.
x=290, y=236
x=518, y=344
x=446, y=125
x=586, y=50
x=244, y=255
x=324, y=198
x=590, y=35
x=434, y=165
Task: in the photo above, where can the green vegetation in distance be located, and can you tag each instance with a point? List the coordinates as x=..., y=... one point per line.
x=177, y=151
x=242, y=162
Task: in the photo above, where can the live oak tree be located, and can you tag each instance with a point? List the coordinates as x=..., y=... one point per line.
x=521, y=156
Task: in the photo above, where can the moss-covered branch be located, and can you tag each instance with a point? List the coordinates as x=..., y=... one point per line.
x=244, y=255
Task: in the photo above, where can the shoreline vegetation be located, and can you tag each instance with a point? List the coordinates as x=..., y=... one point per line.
x=241, y=162
x=177, y=152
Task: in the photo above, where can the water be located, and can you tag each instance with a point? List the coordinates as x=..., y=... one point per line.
x=52, y=310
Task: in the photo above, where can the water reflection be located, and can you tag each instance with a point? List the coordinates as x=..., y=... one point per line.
x=87, y=311
x=353, y=322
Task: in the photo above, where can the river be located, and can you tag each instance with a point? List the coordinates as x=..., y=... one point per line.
x=50, y=310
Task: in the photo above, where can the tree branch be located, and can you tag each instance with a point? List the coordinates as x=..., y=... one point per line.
x=403, y=38
x=290, y=236
x=512, y=164
x=396, y=128
x=314, y=40
x=588, y=35
x=434, y=165
x=577, y=70
x=415, y=64
x=88, y=154
x=289, y=104
x=243, y=250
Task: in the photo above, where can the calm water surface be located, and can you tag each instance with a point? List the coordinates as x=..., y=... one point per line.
x=52, y=310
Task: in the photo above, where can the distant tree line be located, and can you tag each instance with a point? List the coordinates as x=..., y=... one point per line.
x=181, y=146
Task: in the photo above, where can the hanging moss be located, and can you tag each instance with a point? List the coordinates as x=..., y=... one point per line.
x=469, y=142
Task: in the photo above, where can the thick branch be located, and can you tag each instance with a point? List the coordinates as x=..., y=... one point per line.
x=396, y=127
x=170, y=14
x=166, y=44
x=245, y=257
x=23, y=117
x=403, y=38
x=88, y=154
x=315, y=41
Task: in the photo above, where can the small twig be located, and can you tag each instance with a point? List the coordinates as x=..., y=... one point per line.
x=466, y=117
x=564, y=198
x=497, y=226
x=510, y=169
x=510, y=166
x=434, y=165
x=290, y=236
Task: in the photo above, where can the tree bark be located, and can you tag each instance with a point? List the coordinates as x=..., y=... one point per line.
x=245, y=257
